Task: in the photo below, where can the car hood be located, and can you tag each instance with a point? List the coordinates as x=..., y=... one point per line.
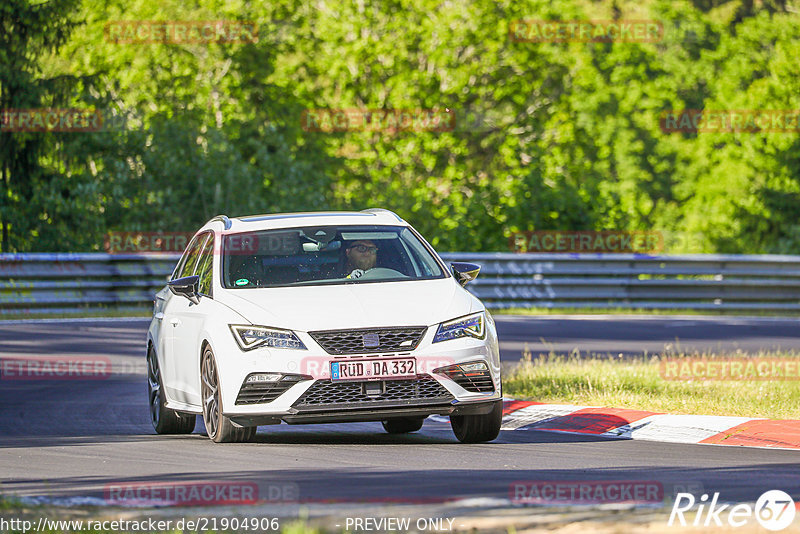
x=330, y=307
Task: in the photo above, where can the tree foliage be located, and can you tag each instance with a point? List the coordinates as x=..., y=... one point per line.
x=557, y=135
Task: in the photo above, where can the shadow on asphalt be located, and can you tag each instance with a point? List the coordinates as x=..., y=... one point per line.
x=69, y=412
x=372, y=434
x=336, y=485
x=107, y=421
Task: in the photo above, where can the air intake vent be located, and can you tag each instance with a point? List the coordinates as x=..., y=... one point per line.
x=475, y=381
x=325, y=393
x=262, y=392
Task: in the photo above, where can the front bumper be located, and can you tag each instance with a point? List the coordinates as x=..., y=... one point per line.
x=314, y=365
x=366, y=414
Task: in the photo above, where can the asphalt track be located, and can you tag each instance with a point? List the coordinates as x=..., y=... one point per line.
x=71, y=439
x=586, y=334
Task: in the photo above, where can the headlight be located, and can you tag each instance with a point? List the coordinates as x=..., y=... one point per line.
x=250, y=337
x=469, y=326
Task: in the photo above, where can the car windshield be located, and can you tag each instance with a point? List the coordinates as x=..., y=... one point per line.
x=325, y=255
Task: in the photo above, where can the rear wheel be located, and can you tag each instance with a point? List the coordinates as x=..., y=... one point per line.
x=165, y=420
x=402, y=425
x=220, y=428
x=478, y=428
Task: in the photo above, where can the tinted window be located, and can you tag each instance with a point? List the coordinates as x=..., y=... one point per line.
x=325, y=255
x=204, y=266
x=189, y=261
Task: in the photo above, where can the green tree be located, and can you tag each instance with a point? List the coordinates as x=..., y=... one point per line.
x=32, y=31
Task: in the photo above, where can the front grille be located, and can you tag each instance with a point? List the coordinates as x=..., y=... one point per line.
x=261, y=392
x=325, y=393
x=475, y=381
x=400, y=339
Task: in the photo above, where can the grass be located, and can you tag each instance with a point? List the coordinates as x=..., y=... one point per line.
x=638, y=384
x=9, y=503
x=18, y=510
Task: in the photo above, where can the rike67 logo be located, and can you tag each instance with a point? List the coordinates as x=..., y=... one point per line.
x=774, y=510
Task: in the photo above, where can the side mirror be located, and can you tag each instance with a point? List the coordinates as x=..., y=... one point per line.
x=465, y=272
x=186, y=287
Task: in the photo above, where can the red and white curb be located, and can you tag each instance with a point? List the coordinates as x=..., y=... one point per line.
x=653, y=426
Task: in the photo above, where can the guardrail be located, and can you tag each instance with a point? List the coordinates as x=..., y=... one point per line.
x=694, y=281
x=74, y=283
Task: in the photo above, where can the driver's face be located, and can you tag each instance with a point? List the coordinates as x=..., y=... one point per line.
x=362, y=254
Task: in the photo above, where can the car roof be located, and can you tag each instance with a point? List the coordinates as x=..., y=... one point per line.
x=287, y=220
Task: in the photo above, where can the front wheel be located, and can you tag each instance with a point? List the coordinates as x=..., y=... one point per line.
x=478, y=428
x=220, y=428
x=164, y=420
x=402, y=425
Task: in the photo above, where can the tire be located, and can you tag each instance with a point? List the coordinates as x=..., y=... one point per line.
x=220, y=428
x=478, y=428
x=164, y=420
x=402, y=425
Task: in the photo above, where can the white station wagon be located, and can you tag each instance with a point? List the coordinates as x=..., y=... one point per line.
x=320, y=318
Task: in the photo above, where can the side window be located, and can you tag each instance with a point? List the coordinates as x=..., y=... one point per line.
x=204, y=267
x=423, y=260
x=189, y=260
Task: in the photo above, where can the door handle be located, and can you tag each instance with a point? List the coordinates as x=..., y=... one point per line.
x=159, y=315
x=175, y=322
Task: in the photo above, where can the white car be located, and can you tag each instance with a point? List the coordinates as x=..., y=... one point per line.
x=320, y=318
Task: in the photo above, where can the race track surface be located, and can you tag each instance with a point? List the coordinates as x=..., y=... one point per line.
x=65, y=438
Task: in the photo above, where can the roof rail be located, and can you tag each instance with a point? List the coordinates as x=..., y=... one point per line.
x=225, y=220
x=382, y=210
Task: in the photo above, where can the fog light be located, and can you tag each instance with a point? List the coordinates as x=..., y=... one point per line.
x=472, y=367
x=467, y=367
x=264, y=377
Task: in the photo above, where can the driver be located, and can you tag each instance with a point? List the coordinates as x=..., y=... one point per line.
x=360, y=256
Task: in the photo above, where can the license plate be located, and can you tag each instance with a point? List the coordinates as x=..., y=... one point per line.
x=384, y=369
